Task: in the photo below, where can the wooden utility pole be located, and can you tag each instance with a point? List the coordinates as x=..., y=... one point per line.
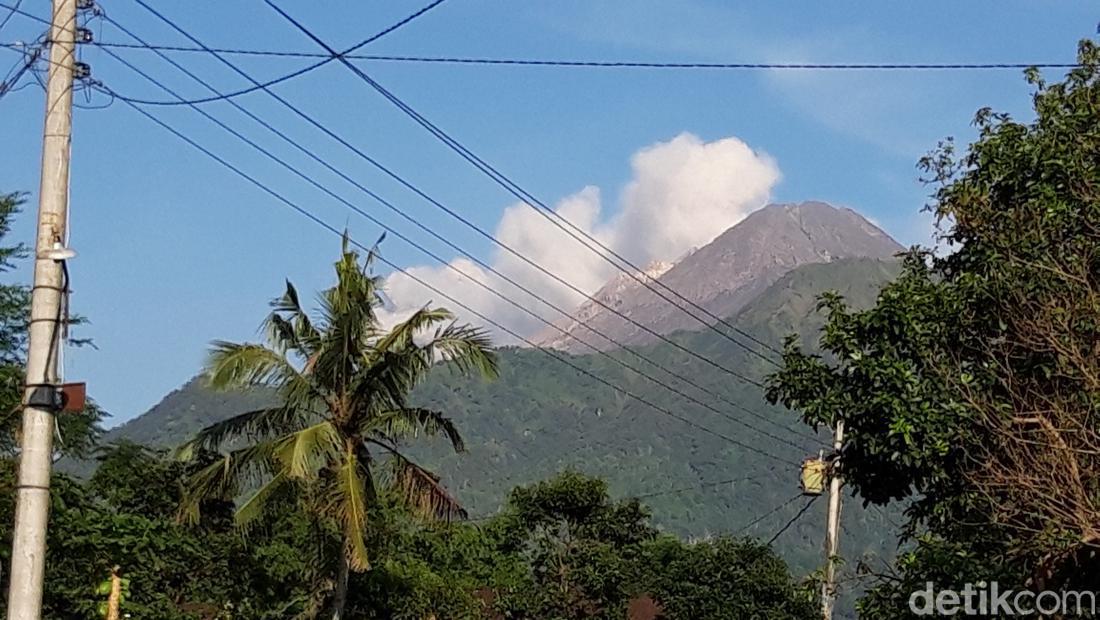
x=40, y=401
x=832, y=530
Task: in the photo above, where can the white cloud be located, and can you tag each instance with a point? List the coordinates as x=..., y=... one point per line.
x=686, y=192
x=682, y=194
x=532, y=234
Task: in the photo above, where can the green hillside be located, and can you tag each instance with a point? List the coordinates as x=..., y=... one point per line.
x=541, y=417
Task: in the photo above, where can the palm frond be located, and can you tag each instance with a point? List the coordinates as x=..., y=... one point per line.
x=325, y=313
x=282, y=336
x=373, y=254
x=410, y=422
x=346, y=501
x=223, y=478
x=257, y=503
x=254, y=425
x=466, y=348
x=387, y=381
x=345, y=339
x=356, y=290
x=297, y=328
x=301, y=455
x=232, y=365
x=418, y=488
x=402, y=335
x=394, y=363
x=254, y=366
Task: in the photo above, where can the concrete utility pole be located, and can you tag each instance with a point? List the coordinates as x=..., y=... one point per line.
x=832, y=530
x=40, y=404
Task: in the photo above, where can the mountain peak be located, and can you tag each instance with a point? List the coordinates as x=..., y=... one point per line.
x=727, y=273
x=611, y=294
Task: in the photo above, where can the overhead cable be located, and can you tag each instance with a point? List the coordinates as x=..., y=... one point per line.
x=579, y=234
x=465, y=221
x=443, y=261
x=549, y=352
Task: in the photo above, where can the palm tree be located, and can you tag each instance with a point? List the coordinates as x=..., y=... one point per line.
x=333, y=440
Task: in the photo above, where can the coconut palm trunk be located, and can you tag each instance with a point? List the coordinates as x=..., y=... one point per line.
x=114, y=601
x=334, y=440
x=340, y=592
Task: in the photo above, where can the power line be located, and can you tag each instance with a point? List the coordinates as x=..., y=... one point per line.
x=11, y=13
x=735, y=532
x=697, y=487
x=628, y=366
x=288, y=76
x=27, y=64
x=544, y=62
x=446, y=263
x=633, y=64
x=633, y=271
x=396, y=26
x=15, y=10
x=466, y=222
x=612, y=64
x=793, y=519
x=457, y=248
x=748, y=525
x=32, y=58
x=301, y=210
x=677, y=491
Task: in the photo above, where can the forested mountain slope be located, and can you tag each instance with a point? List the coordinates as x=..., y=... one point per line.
x=541, y=416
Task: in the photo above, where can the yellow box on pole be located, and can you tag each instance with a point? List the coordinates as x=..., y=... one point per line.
x=813, y=476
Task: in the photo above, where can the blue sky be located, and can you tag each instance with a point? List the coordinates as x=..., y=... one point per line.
x=174, y=251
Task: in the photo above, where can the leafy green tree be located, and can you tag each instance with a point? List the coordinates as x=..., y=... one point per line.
x=334, y=440
x=423, y=570
x=971, y=388
x=136, y=479
x=588, y=556
x=579, y=545
x=14, y=299
x=125, y=516
x=723, y=578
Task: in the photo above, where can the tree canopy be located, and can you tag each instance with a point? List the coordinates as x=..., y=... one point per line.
x=970, y=389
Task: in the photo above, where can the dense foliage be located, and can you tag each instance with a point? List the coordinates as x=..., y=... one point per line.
x=971, y=387
x=560, y=549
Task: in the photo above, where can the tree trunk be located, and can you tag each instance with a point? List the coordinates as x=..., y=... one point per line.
x=340, y=595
